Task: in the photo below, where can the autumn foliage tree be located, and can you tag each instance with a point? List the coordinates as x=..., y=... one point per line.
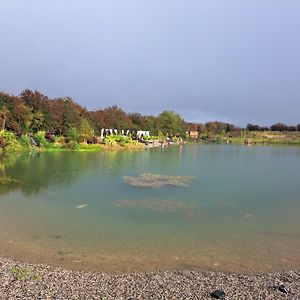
x=33, y=111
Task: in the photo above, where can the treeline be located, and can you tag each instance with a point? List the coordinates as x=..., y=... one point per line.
x=31, y=112
x=274, y=127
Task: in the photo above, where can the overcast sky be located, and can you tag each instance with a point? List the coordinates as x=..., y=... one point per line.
x=231, y=60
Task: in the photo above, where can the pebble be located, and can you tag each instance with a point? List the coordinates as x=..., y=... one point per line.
x=217, y=294
x=282, y=288
x=53, y=283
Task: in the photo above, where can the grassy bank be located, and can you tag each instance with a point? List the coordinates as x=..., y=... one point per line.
x=40, y=142
x=256, y=137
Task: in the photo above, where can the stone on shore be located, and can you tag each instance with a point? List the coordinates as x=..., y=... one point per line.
x=20, y=280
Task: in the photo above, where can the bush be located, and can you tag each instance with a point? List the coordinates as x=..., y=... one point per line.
x=73, y=135
x=60, y=140
x=8, y=136
x=50, y=137
x=14, y=146
x=41, y=140
x=24, y=140
x=9, y=142
x=3, y=143
x=71, y=146
x=109, y=140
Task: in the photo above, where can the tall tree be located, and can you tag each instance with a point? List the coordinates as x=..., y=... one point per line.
x=23, y=115
x=37, y=122
x=171, y=123
x=4, y=113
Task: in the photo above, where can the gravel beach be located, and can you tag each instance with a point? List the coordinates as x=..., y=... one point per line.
x=19, y=280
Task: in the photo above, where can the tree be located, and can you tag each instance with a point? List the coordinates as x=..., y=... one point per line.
x=201, y=128
x=139, y=122
x=264, y=128
x=71, y=116
x=171, y=123
x=252, y=127
x=34, y=100
x=279, y=127
x=116, y=118
x=73, y=135
x=56, y=110
x=232, y=128
x=37, y=121
x=292, y=128
x=86, y=131
x=22, y=115
x=4, y=113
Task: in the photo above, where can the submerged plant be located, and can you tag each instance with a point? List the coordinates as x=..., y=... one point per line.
x=167, y=205
x=24, y=274
x=148, y=180
x=190, y=211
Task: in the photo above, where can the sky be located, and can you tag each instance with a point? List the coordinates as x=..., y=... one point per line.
x=236, y=61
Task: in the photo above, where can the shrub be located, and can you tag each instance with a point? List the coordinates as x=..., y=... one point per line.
x=3, y=143
x=9, y=142
x=50, y=137
x=73, y=135
x=8, y=136
x=71, y=146
x=41, y=140
x=109, y=140
x=24, y=140
x=60, y=140
x=14, y=146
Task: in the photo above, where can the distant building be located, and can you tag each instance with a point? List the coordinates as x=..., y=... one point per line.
x=193, y=135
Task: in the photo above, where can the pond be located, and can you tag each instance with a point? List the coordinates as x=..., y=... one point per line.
x=203, y=207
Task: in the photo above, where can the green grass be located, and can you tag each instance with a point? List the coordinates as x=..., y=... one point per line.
x=10, y=143
x=24, y=274
x=90, y=147
x=260, y=137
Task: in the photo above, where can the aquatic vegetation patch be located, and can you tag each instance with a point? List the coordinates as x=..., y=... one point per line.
x=149, y=180
x=159, y=205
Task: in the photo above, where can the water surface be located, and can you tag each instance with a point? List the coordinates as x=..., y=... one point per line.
x=239, y=213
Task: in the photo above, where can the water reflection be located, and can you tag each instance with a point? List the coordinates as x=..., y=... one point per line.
x=37, y=171
x=239, y=212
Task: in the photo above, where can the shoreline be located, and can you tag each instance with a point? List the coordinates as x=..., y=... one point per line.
x=22, y=280
x=140, y=146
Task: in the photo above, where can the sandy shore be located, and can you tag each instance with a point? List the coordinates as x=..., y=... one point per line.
x=27, y=281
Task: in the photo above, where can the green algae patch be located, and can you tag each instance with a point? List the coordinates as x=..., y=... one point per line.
x=162, y=205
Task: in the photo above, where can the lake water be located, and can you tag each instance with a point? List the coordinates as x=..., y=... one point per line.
x=239, y=212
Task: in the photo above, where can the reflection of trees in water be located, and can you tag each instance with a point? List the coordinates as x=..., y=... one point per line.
x=7, y=183
x=36, y=171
